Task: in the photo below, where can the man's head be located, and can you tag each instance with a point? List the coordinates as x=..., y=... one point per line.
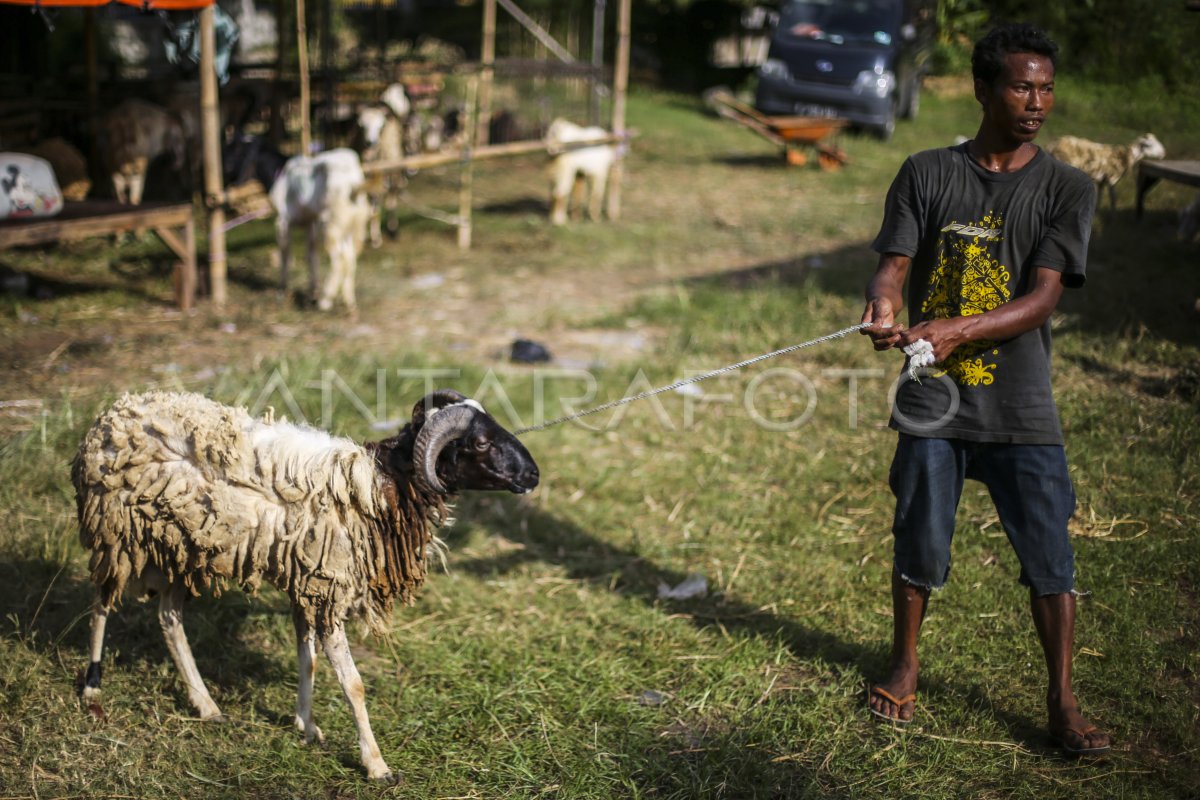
x=989, y=60
x=1014, y=68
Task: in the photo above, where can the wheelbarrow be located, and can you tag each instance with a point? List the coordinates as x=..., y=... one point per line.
x=793, y=134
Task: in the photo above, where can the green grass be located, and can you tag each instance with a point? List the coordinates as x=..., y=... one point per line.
x=543, y=663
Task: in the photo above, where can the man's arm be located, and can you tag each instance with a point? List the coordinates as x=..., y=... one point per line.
x=885, y=298
x=1010, y=320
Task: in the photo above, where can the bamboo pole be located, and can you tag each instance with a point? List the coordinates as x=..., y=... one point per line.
x=487, y=69
x=92, y=68
x=210, y=122
x=466, y=179
x=620, y=86
x=305, y=97
x=277, y=133
x=594, y=82
x=426, y=160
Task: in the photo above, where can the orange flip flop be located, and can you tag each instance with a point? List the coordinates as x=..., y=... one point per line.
x=1060, y=739
x=899, y=702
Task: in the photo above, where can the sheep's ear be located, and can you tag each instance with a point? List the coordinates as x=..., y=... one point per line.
x=434, y=400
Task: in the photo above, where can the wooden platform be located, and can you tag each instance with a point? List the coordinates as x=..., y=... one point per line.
x=1151, y=172
x=173, y=223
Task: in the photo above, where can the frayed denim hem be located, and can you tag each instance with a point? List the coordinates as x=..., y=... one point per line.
x=929, y=587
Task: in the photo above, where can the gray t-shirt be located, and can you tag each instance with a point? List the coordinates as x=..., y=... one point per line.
x=976, y=238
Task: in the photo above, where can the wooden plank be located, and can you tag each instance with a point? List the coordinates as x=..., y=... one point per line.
x=1151, y=172
x=426, y=160
x=76, y=223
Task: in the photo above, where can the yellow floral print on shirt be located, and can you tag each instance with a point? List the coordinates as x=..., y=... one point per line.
x=967, y=280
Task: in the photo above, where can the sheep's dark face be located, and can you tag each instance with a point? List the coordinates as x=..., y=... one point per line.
x=459, y=448
x=487, y=457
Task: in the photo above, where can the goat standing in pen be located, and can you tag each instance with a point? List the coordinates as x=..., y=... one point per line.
x=381, y=136
x=326, y=195
x=583, y=164
x=1105, y=163
x=133, y=134
x=176, y=494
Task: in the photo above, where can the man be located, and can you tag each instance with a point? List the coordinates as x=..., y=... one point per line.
x=987, y=233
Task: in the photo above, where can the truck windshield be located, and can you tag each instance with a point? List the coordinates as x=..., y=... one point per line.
x=839, y=21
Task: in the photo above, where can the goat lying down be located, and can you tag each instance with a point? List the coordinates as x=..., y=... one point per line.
x=585, y=164
x=324, y=194
x=177, y=493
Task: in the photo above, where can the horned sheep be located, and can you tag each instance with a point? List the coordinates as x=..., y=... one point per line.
x=176, y=493
x=1105, y=163
x=577, y=163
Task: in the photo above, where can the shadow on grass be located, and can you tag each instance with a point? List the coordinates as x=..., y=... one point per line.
x=51, y=610
x=520, y=206
x=131, y=273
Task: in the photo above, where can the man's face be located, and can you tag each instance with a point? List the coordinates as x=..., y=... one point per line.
x=1021, y=98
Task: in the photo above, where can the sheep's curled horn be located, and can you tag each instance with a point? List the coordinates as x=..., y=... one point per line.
x=442, y=426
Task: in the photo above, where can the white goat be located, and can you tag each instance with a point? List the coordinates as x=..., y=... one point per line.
x=583, y=164
x=1105, y=163
x=382, y=130
x=134, y=133
x=325, y=194
x=176, y=494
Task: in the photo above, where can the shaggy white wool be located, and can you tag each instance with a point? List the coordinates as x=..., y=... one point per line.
x=208, y=495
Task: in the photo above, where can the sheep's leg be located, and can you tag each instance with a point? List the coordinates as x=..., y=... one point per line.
x=337, y=649
x=578, y=188
x=283, y=241
x=391, y=204
x=1112, y=196
x=306, y=657
x=137, y=185
x=170, y=617
x=599, y=182
x=336, y=246
x=564, y=178
x=315, y=233
x=91, y=680
x=120, y=188
x=375, y=229
x=349, y=267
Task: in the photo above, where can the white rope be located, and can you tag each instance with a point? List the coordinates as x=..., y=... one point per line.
x=920, y=355
x=694, y=379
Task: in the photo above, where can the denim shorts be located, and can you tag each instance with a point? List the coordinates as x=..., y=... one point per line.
x=1028, y=483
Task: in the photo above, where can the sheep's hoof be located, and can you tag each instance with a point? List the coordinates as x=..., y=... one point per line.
x=311, y=734
x=215, y=717
x=388, y=778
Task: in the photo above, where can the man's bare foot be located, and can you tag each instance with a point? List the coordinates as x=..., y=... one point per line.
x=1075, y=734
x=895, y=699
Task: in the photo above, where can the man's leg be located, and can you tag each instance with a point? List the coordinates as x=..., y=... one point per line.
x=908, y=612
x=1032, y=490
x=1054, y=618
x=926, y=478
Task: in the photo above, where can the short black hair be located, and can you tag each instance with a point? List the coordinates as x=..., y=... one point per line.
x=987, y=62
